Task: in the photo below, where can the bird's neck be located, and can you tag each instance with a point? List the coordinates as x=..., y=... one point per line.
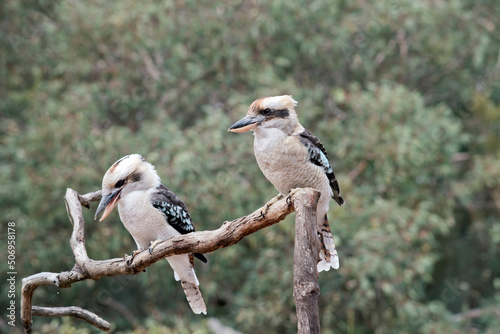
x=269, y=134
x=268, y=141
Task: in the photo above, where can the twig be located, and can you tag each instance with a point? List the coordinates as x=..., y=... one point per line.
x=34, y=281
x=90, y=197
x=73, y=311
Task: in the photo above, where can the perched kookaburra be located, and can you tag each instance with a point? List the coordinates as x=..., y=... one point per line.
x=151, y=212
x=292, y=157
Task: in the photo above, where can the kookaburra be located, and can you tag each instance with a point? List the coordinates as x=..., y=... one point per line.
x=151, y=212
x=291, y=157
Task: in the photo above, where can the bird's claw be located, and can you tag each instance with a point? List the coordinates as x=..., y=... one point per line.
x=263, y=211
x=152, y=245
x=273, y=200
x=290, y=194
x=132, y=256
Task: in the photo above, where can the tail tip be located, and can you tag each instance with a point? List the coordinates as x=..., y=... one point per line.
x=334, y=263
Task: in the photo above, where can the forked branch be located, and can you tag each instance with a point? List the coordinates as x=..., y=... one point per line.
x=198, y=242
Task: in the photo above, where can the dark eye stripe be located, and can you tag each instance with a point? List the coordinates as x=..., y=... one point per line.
x=280, y=113
x=134, y=177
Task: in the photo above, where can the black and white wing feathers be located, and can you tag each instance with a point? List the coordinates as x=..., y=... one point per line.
x=173, y=208
x=319, y=157
x=175, y=211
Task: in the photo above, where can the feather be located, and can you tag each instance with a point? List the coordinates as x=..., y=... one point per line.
x=328, y=257
x=194, y=298
x=173, y=208
x=175, y=212
x=319, y=157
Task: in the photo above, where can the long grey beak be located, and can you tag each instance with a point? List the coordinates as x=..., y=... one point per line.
x=107, y=204
x=246, y=124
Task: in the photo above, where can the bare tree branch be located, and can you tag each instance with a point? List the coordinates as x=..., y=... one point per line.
x=198, y=242
x=73, y=311
x=90, y=197
x=62, y=280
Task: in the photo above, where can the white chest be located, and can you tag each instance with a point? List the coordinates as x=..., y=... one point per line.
x=277, y=157
x=268, y=146
x=144, y=222
x=285, y=162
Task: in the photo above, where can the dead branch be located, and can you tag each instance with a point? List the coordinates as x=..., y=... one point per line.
x=73, y=311
x=304, y=201
x=305, y=259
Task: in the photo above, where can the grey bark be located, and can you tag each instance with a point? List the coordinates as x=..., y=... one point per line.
x=305, y=273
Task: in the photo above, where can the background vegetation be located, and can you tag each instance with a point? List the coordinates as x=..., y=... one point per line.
x=404, y=94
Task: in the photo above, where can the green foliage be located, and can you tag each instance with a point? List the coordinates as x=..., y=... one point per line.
x=403, y=94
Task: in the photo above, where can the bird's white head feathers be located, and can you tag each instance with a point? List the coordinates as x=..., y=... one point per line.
x=274, y=103
x=133, y=171
x=270, y=112
x=128, y=174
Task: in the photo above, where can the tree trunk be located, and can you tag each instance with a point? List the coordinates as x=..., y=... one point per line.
x=305, y=272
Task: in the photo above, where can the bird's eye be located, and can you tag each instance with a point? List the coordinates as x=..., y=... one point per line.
x=266, y=111
x=119, y=183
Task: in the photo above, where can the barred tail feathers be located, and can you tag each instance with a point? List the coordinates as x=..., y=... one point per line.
x=194, y=297
x=184, y=272
x=328, y=257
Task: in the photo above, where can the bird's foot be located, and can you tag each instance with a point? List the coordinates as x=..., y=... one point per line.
x=273, y=200
x=132, y=256
x=152, y=245
x=290, y=194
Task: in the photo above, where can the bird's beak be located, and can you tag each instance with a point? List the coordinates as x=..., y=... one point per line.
x=246, y=124
x=107, y=204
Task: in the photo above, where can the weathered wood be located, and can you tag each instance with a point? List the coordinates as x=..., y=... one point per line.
x=198, y=242
x=29, y=285
x=73, y=311
x=305, y=273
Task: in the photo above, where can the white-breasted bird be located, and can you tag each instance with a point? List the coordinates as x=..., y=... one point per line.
x=151, y=213
x=291, y=157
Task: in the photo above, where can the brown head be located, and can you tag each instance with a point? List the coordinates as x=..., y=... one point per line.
x=270, y=112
